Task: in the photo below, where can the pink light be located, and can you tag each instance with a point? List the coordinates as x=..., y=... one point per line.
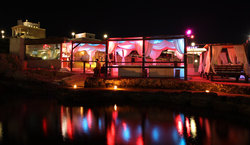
x=188, y=127
x=89, y=118
x=124, y=126
x=189, y=32
x=179, y=124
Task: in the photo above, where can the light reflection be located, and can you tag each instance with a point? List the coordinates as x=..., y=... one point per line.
x=124, y=129
x=179, y=124
x=99, y=123
x=155, y=134
x=193, y=127
x=126, y=132
x=85, y=125
x=69, y=129
x=115, y=107
x=1, y=131
x=81, y=111
x=139, y=140
x=187, y=127
x=45, y=131
x=89, y=118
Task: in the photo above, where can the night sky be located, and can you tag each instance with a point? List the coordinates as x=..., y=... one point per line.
x=227, y=22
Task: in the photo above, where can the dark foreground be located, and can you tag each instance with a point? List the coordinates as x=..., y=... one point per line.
x=40, y=113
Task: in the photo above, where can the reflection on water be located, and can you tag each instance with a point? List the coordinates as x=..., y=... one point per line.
x=48, y=122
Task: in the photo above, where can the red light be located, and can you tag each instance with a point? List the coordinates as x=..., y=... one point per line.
x=192, y=36
x=179, y=125
x=45, y=131
x=139, y=140
x=114, y=115
x=111, y=134
x=69, y=129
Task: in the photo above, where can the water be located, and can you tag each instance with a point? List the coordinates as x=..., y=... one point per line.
x=47, y=122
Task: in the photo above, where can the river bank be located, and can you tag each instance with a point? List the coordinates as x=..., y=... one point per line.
x=194, y=101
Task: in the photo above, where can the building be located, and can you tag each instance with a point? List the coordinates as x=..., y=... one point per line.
x=28, y=30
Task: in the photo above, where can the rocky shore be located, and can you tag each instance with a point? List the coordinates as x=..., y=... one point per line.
x=170, y=84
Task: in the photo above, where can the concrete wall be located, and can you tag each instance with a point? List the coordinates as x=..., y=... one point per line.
x=17, y=47
x=46, y=64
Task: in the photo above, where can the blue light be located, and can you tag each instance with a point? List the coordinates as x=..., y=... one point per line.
x=126, y=134
x=181, y=72
x=100, y=123
x=93, y=44
x=156, y=41
x=182, y=118
x=85, y=124
x=179, y=140
x=182, y=141
x=121, y=41
x=82, y=44
x=139, y=130
x=155, y=134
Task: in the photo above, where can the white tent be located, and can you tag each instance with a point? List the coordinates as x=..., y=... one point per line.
x=236, y=54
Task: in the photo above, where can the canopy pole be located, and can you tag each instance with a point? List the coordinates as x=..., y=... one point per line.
x=71, y=57
x=185, y=58
x=143, y=57
x=106, y=59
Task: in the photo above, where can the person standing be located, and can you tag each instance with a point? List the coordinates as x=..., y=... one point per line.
x=98, y=68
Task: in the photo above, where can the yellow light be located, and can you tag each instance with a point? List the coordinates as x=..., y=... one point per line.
x=105, y=36
x=75, y=86
x=115, y=107
x=192, y=44
x=115, y=87
x=207, y=91
x=73, y=33
x=193, y=127
x=81, y=111
x=82, y=52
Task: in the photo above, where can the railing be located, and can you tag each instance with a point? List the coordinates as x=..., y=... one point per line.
x=174, y=64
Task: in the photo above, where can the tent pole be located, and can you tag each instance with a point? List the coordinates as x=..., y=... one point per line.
x=185, y=58
x=106, y=59
x=71, y=57
x=143, y=57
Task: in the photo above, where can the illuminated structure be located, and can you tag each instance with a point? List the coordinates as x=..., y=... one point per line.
x=230, y=59
x=28, y=30
x=155, y=56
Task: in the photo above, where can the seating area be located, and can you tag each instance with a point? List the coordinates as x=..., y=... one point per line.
x=225, y=60
x=230, y=71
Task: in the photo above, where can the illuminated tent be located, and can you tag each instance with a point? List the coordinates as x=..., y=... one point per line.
x=236, y=53
x=153, y=48
x=90, y=48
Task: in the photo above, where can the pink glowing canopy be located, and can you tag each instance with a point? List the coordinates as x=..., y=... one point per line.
x=153, y=48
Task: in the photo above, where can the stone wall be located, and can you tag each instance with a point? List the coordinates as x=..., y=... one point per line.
x=172, y=84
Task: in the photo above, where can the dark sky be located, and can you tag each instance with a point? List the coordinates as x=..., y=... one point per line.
x=211, y=22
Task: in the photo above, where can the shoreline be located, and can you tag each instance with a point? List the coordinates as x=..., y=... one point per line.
x=228, y=105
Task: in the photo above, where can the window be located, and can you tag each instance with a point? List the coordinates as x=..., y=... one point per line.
x=43, y=51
